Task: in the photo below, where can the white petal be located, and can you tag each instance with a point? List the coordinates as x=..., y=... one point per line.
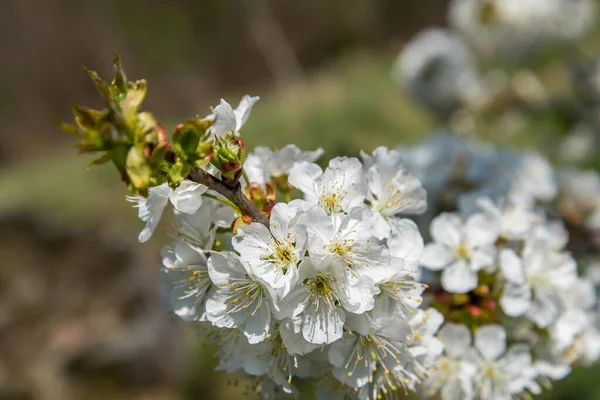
x=436, y=256
x=459, y=278
x=225, y=120
x=242, y=112
x=406, y=243
x=187, y=197
x=491, y=341
x=482, y=257
x=515, y=300
x=512, y=267
x=479, y=231
x=303, y=176
x=292, y=339
x=281, y=217
x=150, y=209
x=446, y=229
x=222, y=267
x=257, y=323
x=322, y=326
x=456, y=339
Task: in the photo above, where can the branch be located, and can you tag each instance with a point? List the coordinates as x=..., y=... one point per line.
x=233, y=194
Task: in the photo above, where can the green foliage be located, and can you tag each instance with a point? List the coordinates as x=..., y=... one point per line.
x=133, y=140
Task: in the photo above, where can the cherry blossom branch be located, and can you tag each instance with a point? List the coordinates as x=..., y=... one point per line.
x=232, y=193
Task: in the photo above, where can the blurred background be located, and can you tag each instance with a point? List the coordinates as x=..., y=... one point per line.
x=81, y=316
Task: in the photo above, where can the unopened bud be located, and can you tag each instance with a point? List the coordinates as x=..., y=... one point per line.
x=474, y=311
x=229, y=155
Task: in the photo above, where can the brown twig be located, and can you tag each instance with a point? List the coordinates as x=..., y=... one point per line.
x=232, y=193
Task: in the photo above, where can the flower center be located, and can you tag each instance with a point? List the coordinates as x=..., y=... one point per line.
x=321, y=288
x=463, y=252
x=285, y=254
x=330, y=202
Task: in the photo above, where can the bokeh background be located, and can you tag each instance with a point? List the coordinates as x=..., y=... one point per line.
x=80, y=311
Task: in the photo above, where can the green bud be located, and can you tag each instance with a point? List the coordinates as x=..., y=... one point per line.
x=229, y=155
x=190, y=140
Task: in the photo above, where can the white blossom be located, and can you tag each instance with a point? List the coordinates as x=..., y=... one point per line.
x=348, y=236
x=513, y=221
x=339, y=188
x=241, y=299
x=326, y=288
x=274, y=253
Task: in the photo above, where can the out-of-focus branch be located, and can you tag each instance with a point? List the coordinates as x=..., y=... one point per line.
x=272, y=42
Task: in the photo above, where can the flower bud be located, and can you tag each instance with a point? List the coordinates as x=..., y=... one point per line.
x=229, y=155
x=190, y=141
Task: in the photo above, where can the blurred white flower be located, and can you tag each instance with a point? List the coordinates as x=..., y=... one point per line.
x=533, y=181
x=452, y=374
x=535, y=281
x=501, y=374
x=460, y=249
x=437, y=69
x=513, y=221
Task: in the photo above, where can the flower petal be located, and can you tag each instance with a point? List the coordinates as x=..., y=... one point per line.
x=436, y=256
x=512, y=267
x=446, y=229
x=242, y=112
x=491, y=341
x=459, y=278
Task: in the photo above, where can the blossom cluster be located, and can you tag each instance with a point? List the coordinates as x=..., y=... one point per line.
x=461, y=67
x=294, y=271
x=499, y=268
x=327, y=290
